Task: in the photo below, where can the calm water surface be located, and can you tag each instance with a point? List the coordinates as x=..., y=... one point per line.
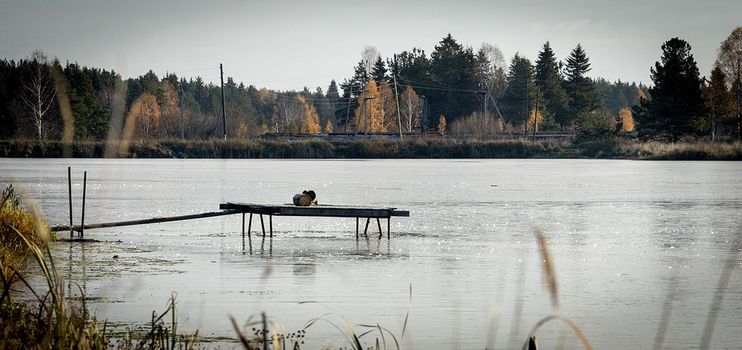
x=624, y=236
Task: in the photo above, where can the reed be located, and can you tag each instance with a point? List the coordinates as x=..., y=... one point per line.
x=551, y=284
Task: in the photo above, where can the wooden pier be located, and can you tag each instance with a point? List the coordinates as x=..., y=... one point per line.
x=318, y=211
x=271, y=210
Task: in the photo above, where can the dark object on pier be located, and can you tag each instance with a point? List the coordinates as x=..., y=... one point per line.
x=305, y=198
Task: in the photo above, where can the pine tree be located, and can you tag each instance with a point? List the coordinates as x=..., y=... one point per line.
x=718, y=101
x=521, y=91
x=332, y=92
x=90, y=120
x=549, y=82
x=580, y=89
x=677, y=101
x=452, y=68
x=352, y=89
x=411, y=67
x=379, y=71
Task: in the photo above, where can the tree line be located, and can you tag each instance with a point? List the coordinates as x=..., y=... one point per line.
x=454, y=89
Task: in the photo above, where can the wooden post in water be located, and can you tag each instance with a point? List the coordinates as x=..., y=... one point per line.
x=262, y=225
x=249, y=238
x=69, y=190
x=365, y=230
x=82, y=216
x=356, y=227
x=378, y=223
x=270, y=225
x=243, y=232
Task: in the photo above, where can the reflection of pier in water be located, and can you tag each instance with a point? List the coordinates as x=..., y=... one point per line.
x=363, y=248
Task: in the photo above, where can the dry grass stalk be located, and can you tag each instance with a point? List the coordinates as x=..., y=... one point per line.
x=549, y=274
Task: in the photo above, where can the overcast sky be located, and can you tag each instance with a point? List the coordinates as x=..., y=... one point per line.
x=292, y=44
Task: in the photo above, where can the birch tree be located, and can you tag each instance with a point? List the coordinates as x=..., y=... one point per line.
x=410, y=108
x=730, y=62
x=39, y=91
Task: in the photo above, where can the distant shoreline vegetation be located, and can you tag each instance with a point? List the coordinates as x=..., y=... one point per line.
x=417, y=148
x=455, y=90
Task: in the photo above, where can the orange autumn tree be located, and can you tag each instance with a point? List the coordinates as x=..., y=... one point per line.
x=328, y=126
x=370, y=109
x=146, y=113
x=441, y=124
x=310, y=119
x=626, y=119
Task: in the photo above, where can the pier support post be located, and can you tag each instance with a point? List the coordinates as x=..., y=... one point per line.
x=82, y=216
x=249, y=228
x=378, y=223
x=270, y=225
x=69, y=190
x=243, y=232
x=365, y=230
x=357, y=227
x=262, y=224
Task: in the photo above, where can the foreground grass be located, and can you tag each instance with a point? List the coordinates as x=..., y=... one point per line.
x=610, y=148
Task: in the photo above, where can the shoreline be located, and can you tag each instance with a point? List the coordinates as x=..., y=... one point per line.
x=381, y=149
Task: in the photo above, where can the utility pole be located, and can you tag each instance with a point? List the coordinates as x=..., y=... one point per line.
x=182, y=120
x=396, y=93
x=224, y=112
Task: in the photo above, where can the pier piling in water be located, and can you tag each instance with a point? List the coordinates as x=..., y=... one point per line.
x=69, y=191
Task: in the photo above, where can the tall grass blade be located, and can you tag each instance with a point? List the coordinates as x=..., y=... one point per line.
x=721, y=287
x=240, y=334
x=659, y=338
x=549, y=274
x=575, y=329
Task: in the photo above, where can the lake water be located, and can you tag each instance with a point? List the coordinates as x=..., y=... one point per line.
x=625, y=236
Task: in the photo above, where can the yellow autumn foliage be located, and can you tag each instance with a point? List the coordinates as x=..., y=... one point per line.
x=328, y=127
x=539, y=121
x=627, y=119
x=369, y=116
x=310, y=120
x=441, y=124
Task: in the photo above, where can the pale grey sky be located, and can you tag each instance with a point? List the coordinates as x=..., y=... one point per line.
x=292, y=44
